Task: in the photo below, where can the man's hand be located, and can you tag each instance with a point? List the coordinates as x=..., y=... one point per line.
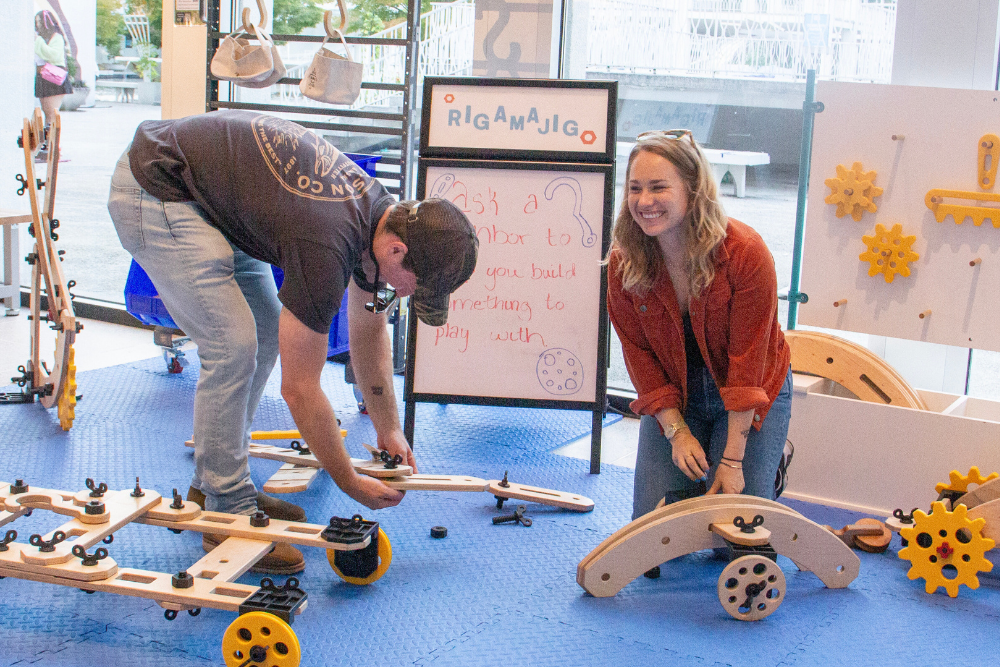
x=727, y=480
x=689, y=456
x=371, y=493
x=395, y=443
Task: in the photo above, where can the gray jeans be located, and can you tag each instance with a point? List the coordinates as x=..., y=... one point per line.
x=226, y=301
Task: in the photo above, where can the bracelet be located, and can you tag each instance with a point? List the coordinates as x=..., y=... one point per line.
x=730, y=465
x=726, y=458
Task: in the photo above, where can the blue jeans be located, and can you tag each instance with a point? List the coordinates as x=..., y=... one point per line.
x=227, y=302
x=656, y=476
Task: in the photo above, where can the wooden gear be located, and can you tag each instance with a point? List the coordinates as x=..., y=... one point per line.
x=60, y=556
x=54, y=383
x=699, y=523
x=301, y=466
x=857, y=369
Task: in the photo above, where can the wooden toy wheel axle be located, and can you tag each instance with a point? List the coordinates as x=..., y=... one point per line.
x=751, y=588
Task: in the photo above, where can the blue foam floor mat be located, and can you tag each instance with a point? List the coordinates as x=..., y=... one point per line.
x=484, y=595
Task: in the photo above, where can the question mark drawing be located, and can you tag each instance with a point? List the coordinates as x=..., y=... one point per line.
x=441, y=186
x=589, y=238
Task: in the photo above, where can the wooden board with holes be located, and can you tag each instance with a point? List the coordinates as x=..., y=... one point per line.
x=667, y=535
x=861, y=371
x=422, y=482
x=291, y=478
x=534, y=494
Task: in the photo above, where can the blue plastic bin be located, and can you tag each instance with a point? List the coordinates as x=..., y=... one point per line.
x=143, y=302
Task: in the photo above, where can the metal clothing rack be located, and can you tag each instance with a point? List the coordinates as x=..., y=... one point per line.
x=338, y=119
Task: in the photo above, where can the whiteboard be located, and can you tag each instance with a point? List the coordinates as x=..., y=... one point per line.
x=941, y=130
x=530, y=324
x=519, y=119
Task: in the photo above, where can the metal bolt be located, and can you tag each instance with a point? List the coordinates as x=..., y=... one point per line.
x=516, y=517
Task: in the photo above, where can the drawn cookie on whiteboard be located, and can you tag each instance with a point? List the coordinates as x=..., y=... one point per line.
x=441, y=186
x=559, y=371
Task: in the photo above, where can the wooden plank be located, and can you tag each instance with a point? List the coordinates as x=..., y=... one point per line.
x=151, y=586
x=378, y=470
x=73, y=569
x=230, y=560
x=233, y=525
x=291, y=478
x=8, y=217
x=534, y=494
x=727, y=531
x=423, y=482
x=121, y=508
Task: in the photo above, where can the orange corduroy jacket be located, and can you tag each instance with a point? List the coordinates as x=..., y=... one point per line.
x=735, y=322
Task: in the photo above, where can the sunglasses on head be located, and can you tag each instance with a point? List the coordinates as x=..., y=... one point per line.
x=672, y=134
x=383, y=299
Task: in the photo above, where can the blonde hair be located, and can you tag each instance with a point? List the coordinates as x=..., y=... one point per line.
x=704, y=224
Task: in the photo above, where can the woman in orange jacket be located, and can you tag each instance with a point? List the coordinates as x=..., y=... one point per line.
x=693, y=297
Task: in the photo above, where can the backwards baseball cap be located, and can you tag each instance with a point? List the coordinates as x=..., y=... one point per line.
x=441, y=250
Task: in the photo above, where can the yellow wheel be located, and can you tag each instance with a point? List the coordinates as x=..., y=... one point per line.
x=259, y=638
x=889, y=252
x=946, y=548
x=67, y=401
x=853, y=191
x=959, y=482
x=384, y=558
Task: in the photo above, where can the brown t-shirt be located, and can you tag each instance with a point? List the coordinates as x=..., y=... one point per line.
x=278, y=192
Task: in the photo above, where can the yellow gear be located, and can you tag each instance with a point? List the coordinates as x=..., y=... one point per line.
x=259, y=638
x=67, y=401
x=959, y=482
x=853, y=191
x=946, y=542
x=888, y=252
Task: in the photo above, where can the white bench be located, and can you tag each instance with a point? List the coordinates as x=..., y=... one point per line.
x=734, y=163
x=124, y=90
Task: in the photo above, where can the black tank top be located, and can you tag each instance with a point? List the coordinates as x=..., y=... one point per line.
x=691, y=350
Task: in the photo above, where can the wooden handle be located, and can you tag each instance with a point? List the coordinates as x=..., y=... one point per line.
x=898, y=137
x=839, y=303
x=976, y=262
x=247, y=27
x=924, y=314
x=328, y=19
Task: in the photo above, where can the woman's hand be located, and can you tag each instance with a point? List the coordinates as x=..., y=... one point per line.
x=689, y=456
x=727, y=480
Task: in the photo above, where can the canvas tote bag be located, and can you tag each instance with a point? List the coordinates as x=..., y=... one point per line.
x=331, y=78
x=246, y=64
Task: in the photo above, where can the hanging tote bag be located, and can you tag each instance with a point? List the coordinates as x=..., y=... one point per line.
x=279, y=67
x=331, y=78
x=241, y=62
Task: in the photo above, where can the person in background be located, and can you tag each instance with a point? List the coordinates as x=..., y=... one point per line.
x=692, y=295
x=50, y=67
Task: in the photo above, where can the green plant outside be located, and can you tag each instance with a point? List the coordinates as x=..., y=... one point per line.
x=371, y=16
x=110, y=26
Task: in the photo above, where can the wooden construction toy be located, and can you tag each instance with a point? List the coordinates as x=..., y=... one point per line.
x=867, y=534
x=889, y=252
x=358, y=551
x=856, y=368
x=853, y=191
x=754, y=530
x=301, y=466
x=52, y=381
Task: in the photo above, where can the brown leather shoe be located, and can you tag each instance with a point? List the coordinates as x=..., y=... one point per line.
x=283, y=559
x=273, y=507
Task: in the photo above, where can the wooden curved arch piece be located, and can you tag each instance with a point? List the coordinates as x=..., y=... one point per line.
x=858, y=369
x=671, y=532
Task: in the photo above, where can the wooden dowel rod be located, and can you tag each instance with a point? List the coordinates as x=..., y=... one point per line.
x=839, y=303
x=924, y=314
x=976, y=262
x=898, y=137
